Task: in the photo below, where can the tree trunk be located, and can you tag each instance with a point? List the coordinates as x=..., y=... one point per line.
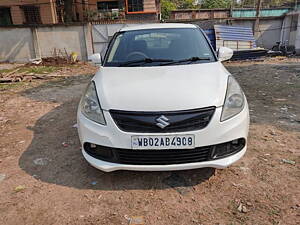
x=68, y=11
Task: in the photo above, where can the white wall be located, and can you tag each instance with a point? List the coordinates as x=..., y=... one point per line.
x=270, y=30
x=297, y=40
x=69, y=38
x=289, y=34
x=23, y=44
x=286, y=30
x=16, y=44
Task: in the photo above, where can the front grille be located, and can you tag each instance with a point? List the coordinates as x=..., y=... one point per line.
x=146, y=122
x=165, y=157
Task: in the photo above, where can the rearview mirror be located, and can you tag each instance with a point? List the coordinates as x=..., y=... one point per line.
x=95, y=58
x=224, y=53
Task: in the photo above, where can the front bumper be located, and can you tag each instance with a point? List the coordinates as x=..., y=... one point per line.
x=109, y=167
x=215, y=133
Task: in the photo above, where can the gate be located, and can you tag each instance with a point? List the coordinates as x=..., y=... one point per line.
x=102, y=34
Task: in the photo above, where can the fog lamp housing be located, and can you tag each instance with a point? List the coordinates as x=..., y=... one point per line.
x=98, y=151
x=228, y=148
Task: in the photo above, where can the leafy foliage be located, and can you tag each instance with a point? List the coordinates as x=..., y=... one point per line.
x=210, y=4
x=185, y=4
x=166, y=7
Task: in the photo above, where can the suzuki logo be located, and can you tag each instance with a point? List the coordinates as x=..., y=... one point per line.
x=162, y=122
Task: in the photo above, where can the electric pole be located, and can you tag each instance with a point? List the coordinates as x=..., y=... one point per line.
x=256, y=23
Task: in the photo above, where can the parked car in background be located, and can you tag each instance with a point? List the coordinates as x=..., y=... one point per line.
x=162, y=100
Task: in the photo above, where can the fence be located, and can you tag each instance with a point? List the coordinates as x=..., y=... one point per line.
x=225, y=13
x=200, y=14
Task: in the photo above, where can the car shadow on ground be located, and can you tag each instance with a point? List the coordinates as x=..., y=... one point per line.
x=54, y=156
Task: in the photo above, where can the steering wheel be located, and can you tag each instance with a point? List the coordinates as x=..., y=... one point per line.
x=130, y=55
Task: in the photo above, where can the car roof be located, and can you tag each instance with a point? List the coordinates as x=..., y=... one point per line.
x=158, y=26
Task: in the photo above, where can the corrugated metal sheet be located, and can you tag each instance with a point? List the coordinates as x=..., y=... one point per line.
x=236, y=38
x=211, y=35
x=236, y=13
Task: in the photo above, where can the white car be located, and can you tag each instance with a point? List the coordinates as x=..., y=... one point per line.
x=162, y=100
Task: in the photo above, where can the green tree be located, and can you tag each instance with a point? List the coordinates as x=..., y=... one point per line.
x=185, y=4
x=169, y=5
x=166, y=7
x=211, y=4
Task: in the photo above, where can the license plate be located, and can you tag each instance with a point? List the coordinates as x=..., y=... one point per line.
x=163, y=142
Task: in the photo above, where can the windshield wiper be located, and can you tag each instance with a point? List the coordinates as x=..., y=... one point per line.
x=145, y=60
x=192, y=59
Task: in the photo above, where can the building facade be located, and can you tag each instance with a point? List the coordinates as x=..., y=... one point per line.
x=27, y=12
x=17, y=12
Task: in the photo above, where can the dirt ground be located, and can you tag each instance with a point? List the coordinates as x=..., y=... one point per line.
x=45, y=180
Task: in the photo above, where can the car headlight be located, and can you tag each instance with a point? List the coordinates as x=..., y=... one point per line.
x=234, y=100
x=90, y=105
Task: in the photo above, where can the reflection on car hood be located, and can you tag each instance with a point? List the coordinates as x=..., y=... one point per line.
x=162, y=88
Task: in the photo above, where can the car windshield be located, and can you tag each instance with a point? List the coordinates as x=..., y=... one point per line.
x=158, y=47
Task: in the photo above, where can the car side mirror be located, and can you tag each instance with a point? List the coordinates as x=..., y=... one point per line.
x=95, y=58
x=224, y=53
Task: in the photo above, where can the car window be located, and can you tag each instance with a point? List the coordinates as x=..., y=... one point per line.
x=169, y=44
x=157, y=40
x=114, y=47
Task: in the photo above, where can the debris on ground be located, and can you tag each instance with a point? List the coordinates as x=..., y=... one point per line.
x=56, y=61
x=244, y=169
x=19, y=188
x=46, y=68
x=65, y=144
x=36, y=61
x=291, y=162
x=248, y=203
x=73, y=57
x=2, y=177
x=242, y=208
x=41, y=161
x=26, y=73
x=237, y=185
x=60, y=57
x=272, y=132
x=136, y=220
